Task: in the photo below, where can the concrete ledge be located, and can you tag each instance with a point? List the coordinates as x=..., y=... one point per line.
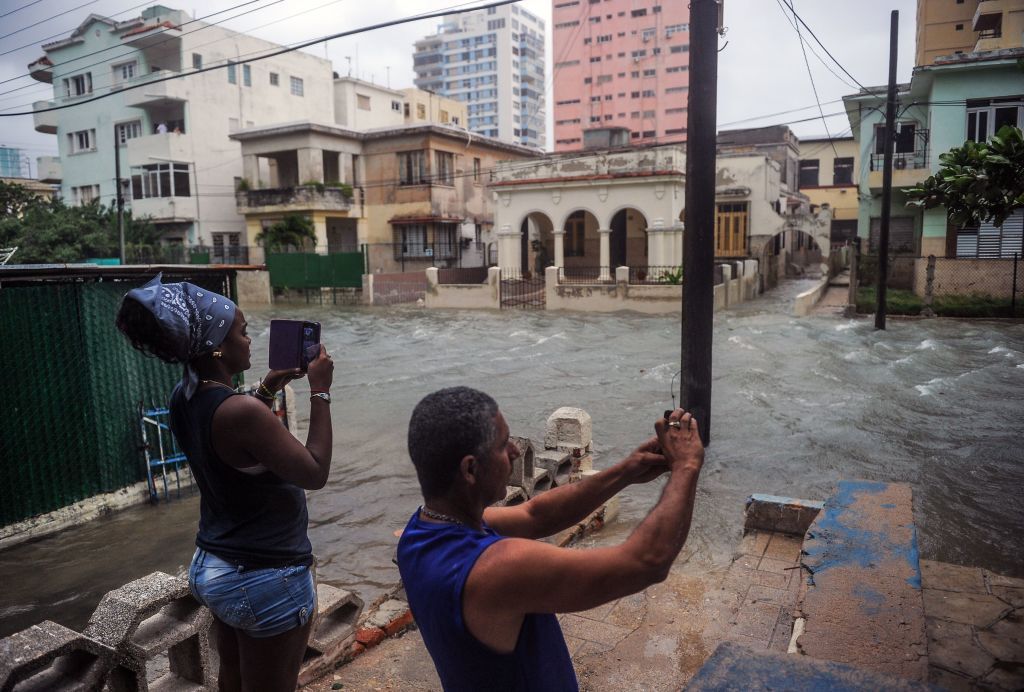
x=736, y=667
x=779, y=514
x=862, y=602
x=806, y=301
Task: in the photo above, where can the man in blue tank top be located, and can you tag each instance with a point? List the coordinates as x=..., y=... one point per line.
x=483, y=592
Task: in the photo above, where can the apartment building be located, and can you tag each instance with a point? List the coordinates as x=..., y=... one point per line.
x=829, y=176
x=620, y=63
x=493, y=61
x=14, y=163
x=143, y=85
x=956, y=27
x=362, y=105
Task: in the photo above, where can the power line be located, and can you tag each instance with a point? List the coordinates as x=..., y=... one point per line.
x=810, y=74
x=130, y=52
x=19, y=9
x=796, y=28
x=61, y=33
x=818, y=41
x=282, y=51
x=43, y=21
x=772, y=115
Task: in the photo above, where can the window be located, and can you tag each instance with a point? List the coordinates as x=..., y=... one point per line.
x=985, y=117
x=410, y=241
x=411, y=168
x=494, y=24
x=85, y=194
x=442, y=115
x=297, y=86
x=679, y=49
x=991, y=242
x=232, y=74
x=275, y=80
x=126, y=131
x=396, y=106
x=808, y=173
x=642, y=12
x=444, y=168
x=246, y=75
x=905, y=136
x=446, y=241
x=161, y=180
x=362, y=102
x=79, y=85
x=197, y=61
x=83, y=140
x=731, y=222
x=958, y=27
x=842, y=171
x=575, y=227
x=476, y=174
x=124, y=72
x=673, y=29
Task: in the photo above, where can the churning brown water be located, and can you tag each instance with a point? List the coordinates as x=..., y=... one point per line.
x=797, y=405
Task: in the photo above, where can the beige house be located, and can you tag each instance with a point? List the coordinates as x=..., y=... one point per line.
x=412, y=196
x=946, y=28
x=829, y=170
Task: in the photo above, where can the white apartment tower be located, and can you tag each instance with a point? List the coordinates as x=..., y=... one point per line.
x=492, y=60
x=169, y=119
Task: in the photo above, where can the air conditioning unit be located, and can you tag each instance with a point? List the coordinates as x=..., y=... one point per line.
x=899, y=164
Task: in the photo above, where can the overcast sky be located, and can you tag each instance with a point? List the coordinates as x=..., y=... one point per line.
x=761, y=67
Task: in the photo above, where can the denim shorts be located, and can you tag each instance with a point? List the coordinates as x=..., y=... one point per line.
x=262, y=602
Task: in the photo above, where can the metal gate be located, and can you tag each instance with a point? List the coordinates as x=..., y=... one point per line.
x=521, y=290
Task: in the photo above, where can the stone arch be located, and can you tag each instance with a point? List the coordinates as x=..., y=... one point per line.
x=536, y=244
x=628, y=239
x=788, y=252
x=582, y=243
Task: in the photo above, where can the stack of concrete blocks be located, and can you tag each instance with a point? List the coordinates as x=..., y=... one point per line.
x=337, y=613
x=49, y=656
x=526, y=475
x=149, y=623
x=568, y=434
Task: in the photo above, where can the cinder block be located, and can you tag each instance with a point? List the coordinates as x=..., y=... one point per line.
x=557, y=461
x=514, y=495
x=542, y=480
x=568, y=428
x=780, y=514
x=337, y=613
x=150, y=617
x=49, y=656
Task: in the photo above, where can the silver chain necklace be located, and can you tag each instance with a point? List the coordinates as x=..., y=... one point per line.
x=427, y=512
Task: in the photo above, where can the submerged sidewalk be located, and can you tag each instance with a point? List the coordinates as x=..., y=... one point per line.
x=658, y=639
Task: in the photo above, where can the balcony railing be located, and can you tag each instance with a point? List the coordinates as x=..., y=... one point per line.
x=901, y=160
x=299, y=196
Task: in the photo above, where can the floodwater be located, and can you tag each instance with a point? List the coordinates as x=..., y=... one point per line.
x=797, y=405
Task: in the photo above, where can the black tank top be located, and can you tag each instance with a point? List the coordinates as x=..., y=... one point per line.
x=251, y=520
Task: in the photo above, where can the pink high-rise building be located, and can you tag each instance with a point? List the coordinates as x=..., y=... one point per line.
x=620, y=63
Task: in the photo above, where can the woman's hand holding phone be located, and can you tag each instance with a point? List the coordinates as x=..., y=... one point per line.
x=321, y=371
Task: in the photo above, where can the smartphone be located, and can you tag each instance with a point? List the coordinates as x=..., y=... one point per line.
x=293, y=344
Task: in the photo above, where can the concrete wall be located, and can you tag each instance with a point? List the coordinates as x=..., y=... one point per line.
x=611, y=297
x=479, y=296
x=806, y=301
x=253, y=288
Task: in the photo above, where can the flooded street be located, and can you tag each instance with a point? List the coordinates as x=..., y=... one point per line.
x=797, y=404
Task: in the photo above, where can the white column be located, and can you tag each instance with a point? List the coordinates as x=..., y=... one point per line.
x=251, y=170
x=509, y=248
x=311, y=165
x=559, y=248
x=606, y=254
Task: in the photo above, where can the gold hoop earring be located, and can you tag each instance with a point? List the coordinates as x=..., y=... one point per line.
x=217, y=354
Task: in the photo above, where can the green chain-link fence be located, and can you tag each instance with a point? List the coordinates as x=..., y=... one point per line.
x=69, y=426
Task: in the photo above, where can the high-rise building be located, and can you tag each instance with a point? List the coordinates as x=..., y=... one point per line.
x=951, y=27
x=620, y=63
x=13, y=163
x=493, y=60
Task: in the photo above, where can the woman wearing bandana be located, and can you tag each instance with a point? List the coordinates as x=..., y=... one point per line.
x=252, y=564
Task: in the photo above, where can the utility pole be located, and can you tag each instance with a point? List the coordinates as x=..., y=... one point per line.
x=890, y=137
x=120, y=196
x=699, y=226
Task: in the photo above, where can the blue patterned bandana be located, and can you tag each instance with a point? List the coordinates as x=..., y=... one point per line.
x=194, y=319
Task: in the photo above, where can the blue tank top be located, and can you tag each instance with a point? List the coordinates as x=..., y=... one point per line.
x=435, y=560
x=251, y=520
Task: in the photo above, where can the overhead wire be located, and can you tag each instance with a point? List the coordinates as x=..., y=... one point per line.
x=810, y=74
x=19, y=9
x=827, y=52
x=43, y=21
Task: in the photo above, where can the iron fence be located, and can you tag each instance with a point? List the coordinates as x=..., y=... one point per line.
x=522, y=289
x=658, y=275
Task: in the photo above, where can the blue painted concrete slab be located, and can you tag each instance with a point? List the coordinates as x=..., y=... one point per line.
x=736, y=667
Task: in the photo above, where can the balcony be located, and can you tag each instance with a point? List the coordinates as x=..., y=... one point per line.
x=41, y=70
x=45, y=122
x=166, y=209
x=172, y=92
x=168, y=146
x=909, y=169
x=49, y=169
x=989, y=15
x=302, y=198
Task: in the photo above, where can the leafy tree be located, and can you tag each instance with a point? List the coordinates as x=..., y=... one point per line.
x=46, y=230
x=979, y=181
x=292, y=232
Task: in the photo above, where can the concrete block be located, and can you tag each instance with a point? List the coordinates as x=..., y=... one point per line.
x=522, y=467
x=387, y=611
x=568, y=428
x=514, y=495
x=49, y=656
x=736, y=667
x=542, y=480
x=147, y=619
x=557, y=461
x=779, y=514
x=337, y=613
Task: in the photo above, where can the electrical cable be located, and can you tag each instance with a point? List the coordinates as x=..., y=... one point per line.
x=66, y=31
x=829, y=54
x=796, y=28
x=43, y=21
x=810, y=74
x=19, y=9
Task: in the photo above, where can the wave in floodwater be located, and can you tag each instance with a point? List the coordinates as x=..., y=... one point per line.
x=797, y=404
